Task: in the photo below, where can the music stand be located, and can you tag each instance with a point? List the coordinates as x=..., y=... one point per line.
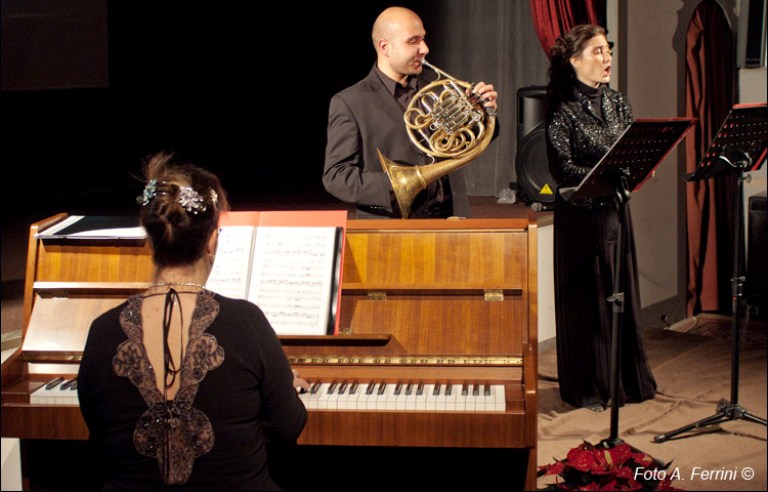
x=739, y=146
x=630, y=161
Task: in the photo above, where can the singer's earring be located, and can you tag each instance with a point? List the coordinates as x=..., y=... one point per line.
x=211, y=258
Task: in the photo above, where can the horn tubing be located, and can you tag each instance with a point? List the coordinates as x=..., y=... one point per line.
x=408, y=181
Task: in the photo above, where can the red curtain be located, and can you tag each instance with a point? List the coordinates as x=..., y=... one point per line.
x=552, y=18
x=709, y=78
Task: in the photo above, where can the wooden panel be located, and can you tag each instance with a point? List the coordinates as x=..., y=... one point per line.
x=44, y=422
x=93, y=263
x=436, y=260
x=441, y=324
x=59, y=326
x=414, y=429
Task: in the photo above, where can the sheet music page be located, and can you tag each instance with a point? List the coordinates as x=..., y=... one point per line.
x=292, y=277
x=232, y=267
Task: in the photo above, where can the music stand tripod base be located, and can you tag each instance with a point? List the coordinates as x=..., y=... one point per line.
x=725, y=411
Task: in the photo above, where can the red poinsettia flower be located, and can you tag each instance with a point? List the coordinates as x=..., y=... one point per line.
x=603, y=467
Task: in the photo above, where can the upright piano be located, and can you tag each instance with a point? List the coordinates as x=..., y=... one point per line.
x=434, y=364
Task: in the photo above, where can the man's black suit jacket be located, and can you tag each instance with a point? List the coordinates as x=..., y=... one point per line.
x=363, y=118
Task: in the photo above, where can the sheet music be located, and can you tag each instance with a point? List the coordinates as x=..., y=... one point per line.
x=292, y=277
x=231, y=269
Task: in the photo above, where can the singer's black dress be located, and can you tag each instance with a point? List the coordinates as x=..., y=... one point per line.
x=580, y=131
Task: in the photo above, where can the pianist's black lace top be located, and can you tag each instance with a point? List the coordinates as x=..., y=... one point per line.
x=173, y=432
x=236, y=389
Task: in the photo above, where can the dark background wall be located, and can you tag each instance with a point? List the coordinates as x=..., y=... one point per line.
x=239, y=88
x=91, y=87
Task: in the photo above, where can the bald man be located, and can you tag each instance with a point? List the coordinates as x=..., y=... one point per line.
x=369, y=116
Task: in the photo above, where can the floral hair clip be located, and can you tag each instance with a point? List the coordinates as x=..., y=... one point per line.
x=191, y=200
x=214, y=198
x=150, y=192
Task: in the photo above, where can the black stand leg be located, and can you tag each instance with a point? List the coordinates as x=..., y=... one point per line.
x=728, y=410
x=617, y=302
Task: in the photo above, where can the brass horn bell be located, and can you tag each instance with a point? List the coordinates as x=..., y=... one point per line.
x=445, y=122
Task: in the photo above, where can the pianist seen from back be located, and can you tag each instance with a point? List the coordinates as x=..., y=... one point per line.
x=179, y=385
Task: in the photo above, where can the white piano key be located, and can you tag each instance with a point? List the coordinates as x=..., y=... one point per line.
x=410, y=396
x=450, y=401
x=353, y=395
x=342, y=400
x=482, y=396
x=498, y=398
x=58, y=391
x=383, y=392
x=471, y=397
x=367, y=400
x=422, y=393
x=400, y=397
x=432, y=391
x=440, y=397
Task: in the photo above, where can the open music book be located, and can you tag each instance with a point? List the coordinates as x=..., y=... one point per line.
x=292, y=272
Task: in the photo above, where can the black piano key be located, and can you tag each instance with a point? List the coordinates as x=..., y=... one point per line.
x=370, y=388
x=398, y=388
x=464, y=390
x=382, y=388
x=436, y=391
x=353, y=388
x=332, y=387
x=420, y=389
x=343, y=387
x=67, y=384
x=54, y=383
x=315, y=387
x=448, y=389
x=409, y=389
x=475, y=390
x=487, y=390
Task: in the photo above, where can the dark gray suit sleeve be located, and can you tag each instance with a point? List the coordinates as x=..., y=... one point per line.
x=344, y=174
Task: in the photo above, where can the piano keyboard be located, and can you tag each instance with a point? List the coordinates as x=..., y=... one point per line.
x=352, y=395
x=60, y=391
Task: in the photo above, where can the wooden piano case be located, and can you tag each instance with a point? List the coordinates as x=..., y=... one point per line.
x=433, y=301
x=422, y=300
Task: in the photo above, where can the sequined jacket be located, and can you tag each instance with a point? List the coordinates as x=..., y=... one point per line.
x=577, y=138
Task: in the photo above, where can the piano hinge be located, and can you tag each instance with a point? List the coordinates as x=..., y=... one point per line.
x=494, y=295
x=377, y=296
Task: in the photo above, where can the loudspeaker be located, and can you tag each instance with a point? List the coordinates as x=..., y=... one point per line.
x=534, y=181
x=530, y=109
x=750, y=40
x=757, y=267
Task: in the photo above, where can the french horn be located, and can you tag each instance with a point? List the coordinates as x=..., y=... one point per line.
x=444, y=122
